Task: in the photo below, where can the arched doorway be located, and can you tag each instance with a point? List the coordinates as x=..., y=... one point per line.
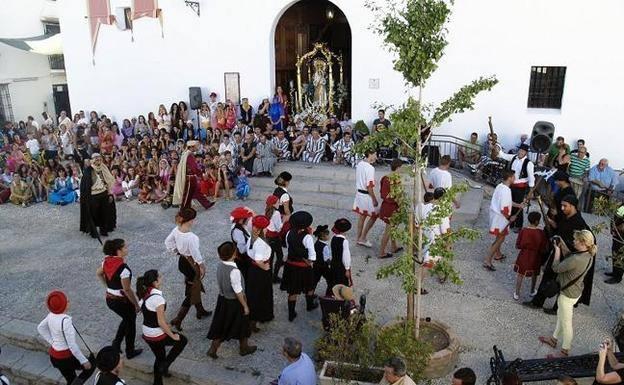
x=304, y=23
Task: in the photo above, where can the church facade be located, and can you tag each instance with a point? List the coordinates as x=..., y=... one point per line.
x=555, y=60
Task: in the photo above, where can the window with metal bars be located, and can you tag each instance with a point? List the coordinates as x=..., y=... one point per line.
x=6, y=108
x=546, y=87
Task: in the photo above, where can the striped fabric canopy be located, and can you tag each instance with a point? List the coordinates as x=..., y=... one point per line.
x=44, y=44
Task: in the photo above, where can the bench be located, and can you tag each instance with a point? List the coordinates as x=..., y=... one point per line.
x=544, y=369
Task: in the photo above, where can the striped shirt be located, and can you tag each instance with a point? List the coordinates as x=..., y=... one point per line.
x=315, y=146
x=578, y=166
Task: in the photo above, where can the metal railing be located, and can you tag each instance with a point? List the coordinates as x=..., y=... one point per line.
x=57, y=62
x=451, y=145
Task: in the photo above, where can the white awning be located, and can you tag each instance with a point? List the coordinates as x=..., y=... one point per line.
x=44, y=44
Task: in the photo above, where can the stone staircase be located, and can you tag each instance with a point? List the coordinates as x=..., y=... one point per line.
x=24, y=360
x=333, y=187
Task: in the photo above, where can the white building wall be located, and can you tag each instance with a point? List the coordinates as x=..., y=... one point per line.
x=28, y=74
x=485, y=37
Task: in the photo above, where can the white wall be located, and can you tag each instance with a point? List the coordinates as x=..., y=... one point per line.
x=28, y=74
x=486, y=37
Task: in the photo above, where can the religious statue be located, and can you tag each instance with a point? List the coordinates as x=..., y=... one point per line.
x=319, y=81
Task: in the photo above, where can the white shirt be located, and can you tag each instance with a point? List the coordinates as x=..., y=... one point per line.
x=68, y=147
x=364, y=175
x=235, y=277
x=154, y=300
x=226, y=147
x=440, y=178
x=276, y=222
x=33, y=146
x=516, y=166
x=185, y=244
x=346, y=252
x=239, y=238
x=60, y=334
x=66, y=121
x=285, y=198
x=260, y=251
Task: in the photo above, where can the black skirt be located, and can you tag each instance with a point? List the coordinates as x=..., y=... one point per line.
x=229, y=321
x=297, y=280
x=259, y=290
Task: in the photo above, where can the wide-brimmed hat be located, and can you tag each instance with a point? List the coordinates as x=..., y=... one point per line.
x=343, y=292
x=96, y=155
x=56, y=302
x=300, y=220
x=524, y=147
x=260, y=222
x=341, y=225
x=241, y=212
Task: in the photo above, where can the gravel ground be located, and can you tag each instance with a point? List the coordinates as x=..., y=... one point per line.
x=41, y=248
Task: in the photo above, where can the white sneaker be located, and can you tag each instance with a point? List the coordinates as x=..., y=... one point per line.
x=515, y=296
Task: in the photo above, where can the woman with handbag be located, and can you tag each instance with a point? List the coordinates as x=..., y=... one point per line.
x=570, y=274
x=58, y=330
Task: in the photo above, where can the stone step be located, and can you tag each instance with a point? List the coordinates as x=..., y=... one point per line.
x=29, y=367
x=305, y=199
x=23, y=335
x=300, y=170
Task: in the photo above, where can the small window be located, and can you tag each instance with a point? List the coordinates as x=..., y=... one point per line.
x=546, y=87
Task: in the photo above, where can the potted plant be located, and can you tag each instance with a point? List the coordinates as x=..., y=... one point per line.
x=415, y=32
x=354, y=350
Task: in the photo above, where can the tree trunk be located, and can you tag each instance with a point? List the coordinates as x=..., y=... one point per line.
x=417, y=199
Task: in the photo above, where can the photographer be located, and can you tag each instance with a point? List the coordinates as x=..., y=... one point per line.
x=606, y=353
x=570, y=273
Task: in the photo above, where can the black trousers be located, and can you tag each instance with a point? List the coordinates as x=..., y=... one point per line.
x=163, y=360
x=517, y=196
x=68, y=368
x=127, y=327
x=277, y=255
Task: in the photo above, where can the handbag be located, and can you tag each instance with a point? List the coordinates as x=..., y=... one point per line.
x=81, y=379
x=552, y=287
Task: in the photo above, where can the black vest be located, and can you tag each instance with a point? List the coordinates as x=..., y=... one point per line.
x=294, y=242
x=318, y=248
x=523, y=172
x=279, y=191
x=108, y=379
x=336, y=246
x=150, y=318
x=115, y=282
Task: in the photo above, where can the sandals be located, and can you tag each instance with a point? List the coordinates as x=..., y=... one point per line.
x=489, y=267
x=386, y=256
x=365, y=244
x=502, y=256
x=550, y=341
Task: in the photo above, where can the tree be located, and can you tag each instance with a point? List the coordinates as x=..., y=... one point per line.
x=415, y=32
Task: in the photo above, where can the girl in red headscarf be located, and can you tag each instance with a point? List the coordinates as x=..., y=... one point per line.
x=259, y=287
x=58, y=330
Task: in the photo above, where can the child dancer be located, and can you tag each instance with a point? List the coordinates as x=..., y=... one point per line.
x=532, y=242
x=231, y=318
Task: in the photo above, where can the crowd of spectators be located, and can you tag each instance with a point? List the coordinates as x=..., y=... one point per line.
x=42, y=160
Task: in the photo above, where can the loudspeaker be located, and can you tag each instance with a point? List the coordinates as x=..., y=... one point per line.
x=195, y=98
x=542, y=136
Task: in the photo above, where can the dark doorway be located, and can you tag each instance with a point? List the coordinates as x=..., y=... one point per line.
x=303, y=24
x=61, y=99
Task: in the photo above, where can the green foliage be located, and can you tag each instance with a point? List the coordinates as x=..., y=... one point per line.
x=416, y=33
x=606, y=209
x=462, y=100
x=361, y=127
x=363, y=342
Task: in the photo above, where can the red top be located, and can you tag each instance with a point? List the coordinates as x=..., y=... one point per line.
x=111, y=265
x=192, y=168
x=532, y=244
x=385, y=189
